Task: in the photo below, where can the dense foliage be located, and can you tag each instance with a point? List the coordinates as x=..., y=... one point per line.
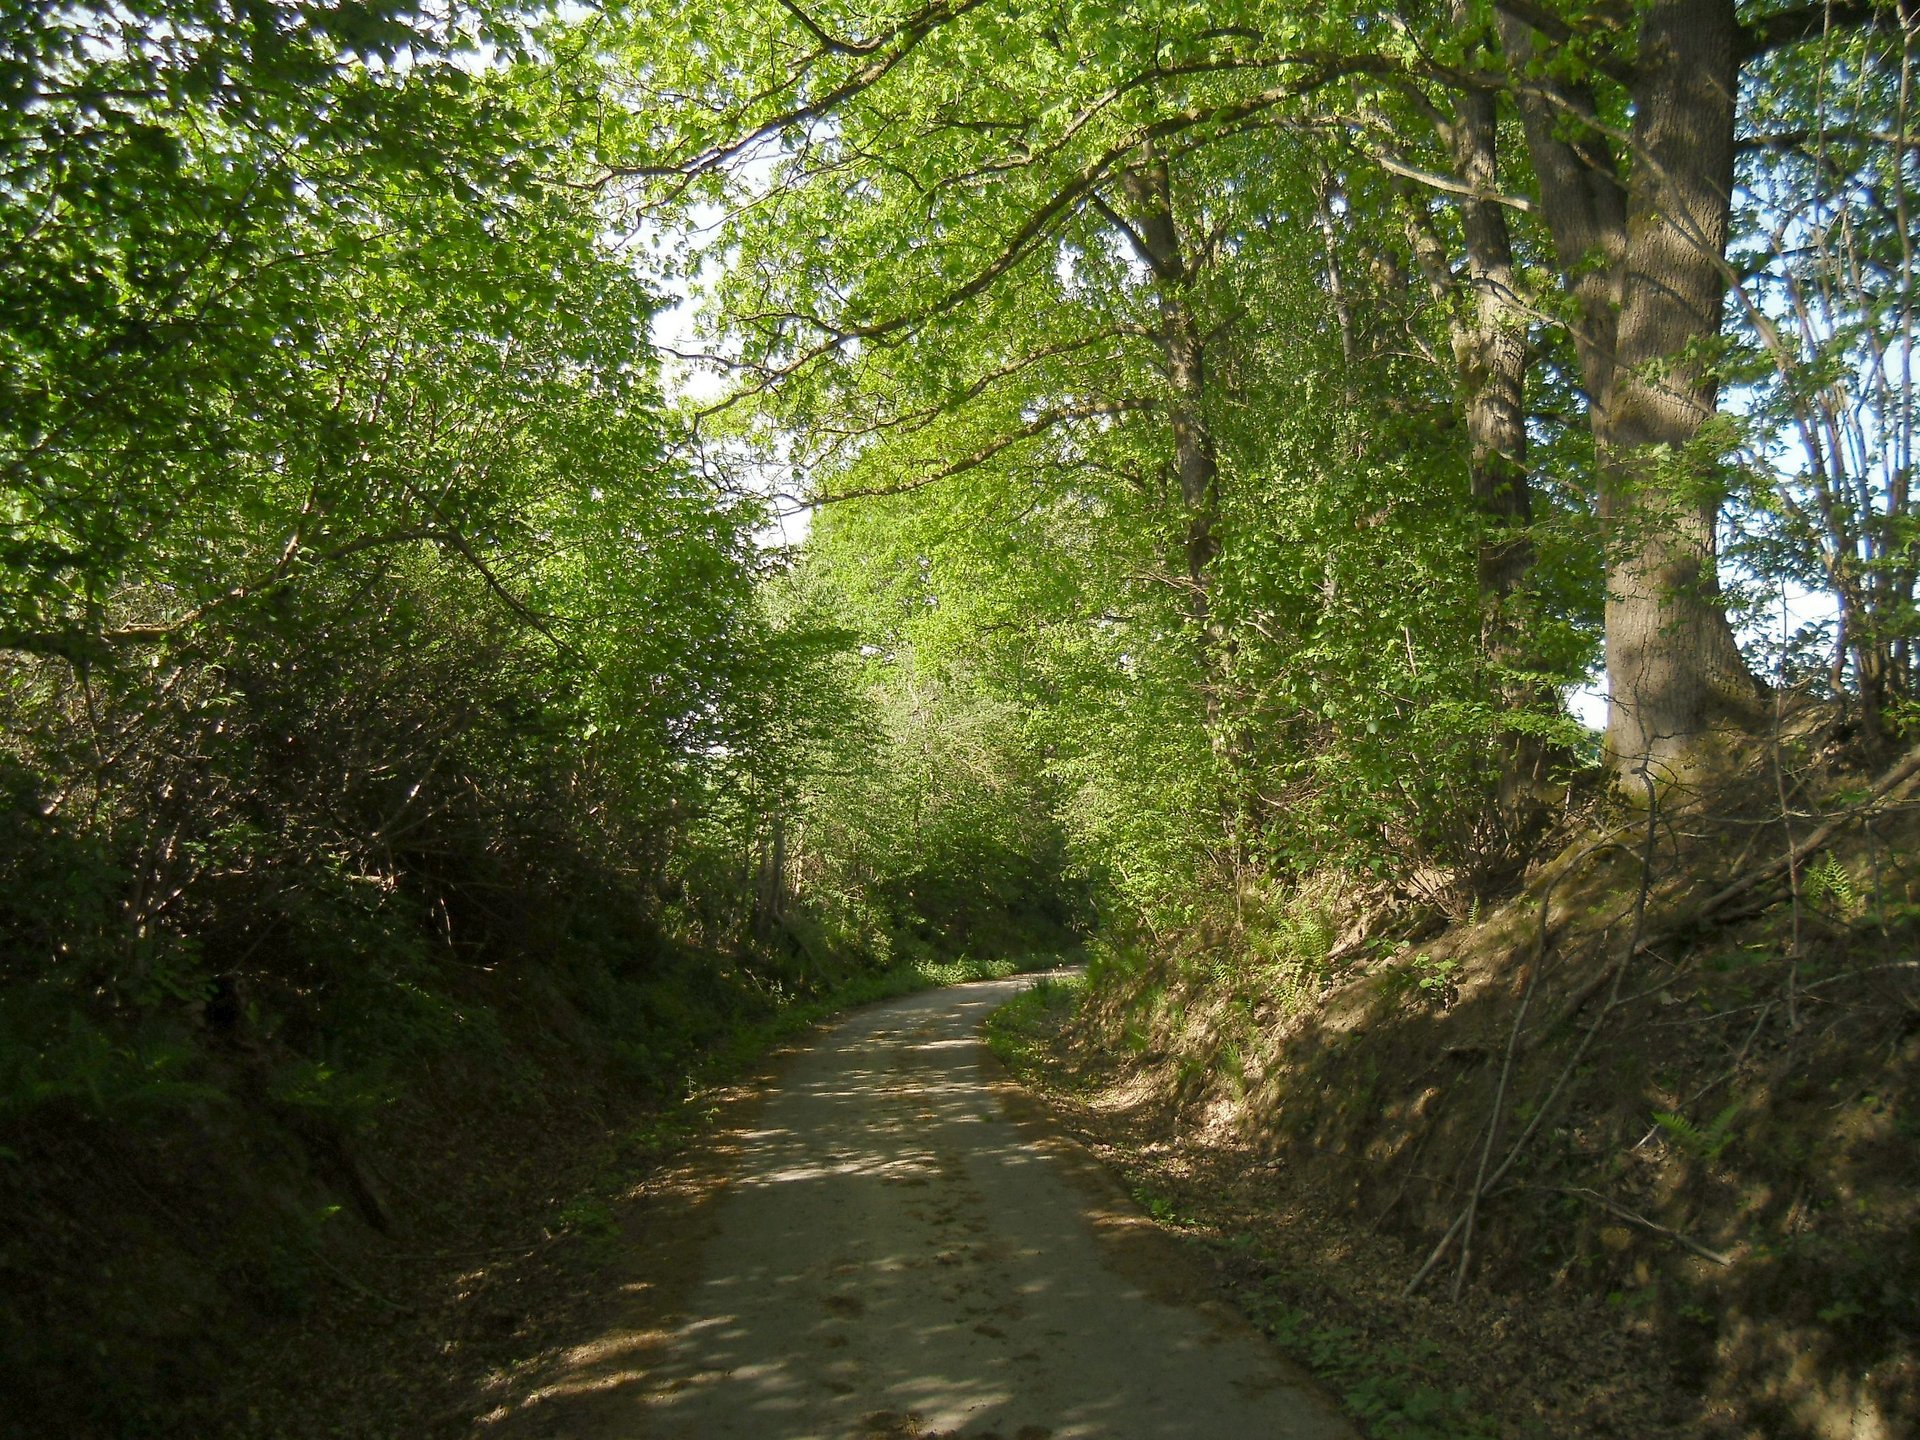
x=368, y=643
x=350, y=595
x=1232, y=433
x=1285, y=411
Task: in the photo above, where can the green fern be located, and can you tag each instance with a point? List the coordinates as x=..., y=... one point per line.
x=1706, y=1142
x=1827, y=883
x=1307, y=938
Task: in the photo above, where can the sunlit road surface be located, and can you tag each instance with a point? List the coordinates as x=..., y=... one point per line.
x=895, y=1254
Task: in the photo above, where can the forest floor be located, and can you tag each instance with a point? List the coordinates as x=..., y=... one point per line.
x=1327, y=1287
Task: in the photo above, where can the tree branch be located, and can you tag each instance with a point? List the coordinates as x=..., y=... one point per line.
x=1039, y=425
x=1766, y=33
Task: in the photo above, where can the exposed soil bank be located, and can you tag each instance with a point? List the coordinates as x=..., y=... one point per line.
x=1694, y=1139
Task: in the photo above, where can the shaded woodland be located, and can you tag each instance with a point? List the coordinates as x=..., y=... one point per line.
x=1240, y=446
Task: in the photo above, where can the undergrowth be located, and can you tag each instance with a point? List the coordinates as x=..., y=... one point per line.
x=1396, y=1391
x=1665, y=1090
x=261, y=1184
x=1017, y=1030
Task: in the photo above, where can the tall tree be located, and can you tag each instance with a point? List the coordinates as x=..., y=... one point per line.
x=1639, y=221
x=1627, y=120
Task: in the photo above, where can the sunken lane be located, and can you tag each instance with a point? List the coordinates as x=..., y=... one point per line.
x=899, y=1247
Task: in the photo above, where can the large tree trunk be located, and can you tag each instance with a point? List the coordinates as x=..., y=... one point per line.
x=1645, y=266
x=1672, y=665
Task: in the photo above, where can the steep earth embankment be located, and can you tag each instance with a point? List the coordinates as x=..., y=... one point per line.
x=1634, y=1153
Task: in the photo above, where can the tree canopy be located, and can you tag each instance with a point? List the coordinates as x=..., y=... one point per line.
x=1233, y=435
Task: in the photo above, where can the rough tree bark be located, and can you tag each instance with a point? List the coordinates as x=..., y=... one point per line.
x=1487, y=332
x=1154, y=231
x=1490, y=348
x=1640, y=234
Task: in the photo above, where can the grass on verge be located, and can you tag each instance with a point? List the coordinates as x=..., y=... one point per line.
x=1019, y=1030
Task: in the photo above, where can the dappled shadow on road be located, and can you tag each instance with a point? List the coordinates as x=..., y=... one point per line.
x=895, y=1256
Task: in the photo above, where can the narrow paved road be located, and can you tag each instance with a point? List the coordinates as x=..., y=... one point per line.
x=898, y=1251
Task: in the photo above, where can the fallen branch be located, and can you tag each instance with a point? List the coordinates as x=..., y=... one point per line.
x=1891, y=788
x=1617, y=971
x=1541, y=942
x=1684, y=1241
x=1722, y=1077
x=357, y=1288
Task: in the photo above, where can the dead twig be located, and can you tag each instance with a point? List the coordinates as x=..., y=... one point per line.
x=357, y=1288
x=1786, y=825
x=1725, y=1075
x=1891, y=788
x=1617, y=971
x=1686, y=1242
x=1805, y=990
x=1541, y=941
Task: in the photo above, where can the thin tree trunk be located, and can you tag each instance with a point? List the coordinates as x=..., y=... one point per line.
x=1491, y=351
x=1488, y=335
x=1156, y=238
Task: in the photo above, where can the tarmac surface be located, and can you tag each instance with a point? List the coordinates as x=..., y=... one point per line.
x=898, y=1244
